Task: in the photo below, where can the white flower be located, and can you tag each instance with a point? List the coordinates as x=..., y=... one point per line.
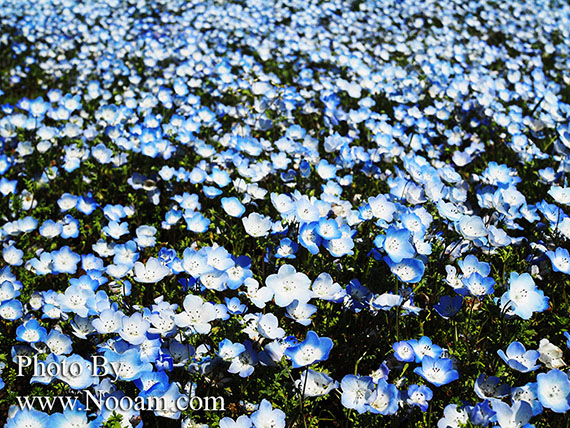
x=152, y=272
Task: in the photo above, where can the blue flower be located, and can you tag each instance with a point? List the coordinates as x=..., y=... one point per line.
x=28, y=418
x=404, y=351
x=384, y=399
x=309, y=238
x=448, y=306
x=560, y=260
x=397, y=244
x=233, y=207
x=265, y=415
x=471, y=227
x=288, y=285
x=518, y=358
x=437, y=371
x=553, y=390
x=407, y=270
x=235, y=307
x=423, y=347
x=312, y=350
x=490, y=387
x=287, y=249
x=522, y=297
x=328, y=229
x=507, y=416
x=479, y=286
x=419, y=395
x=31, y=332
x=228, y=350
x=70, y=417
x=356, y=392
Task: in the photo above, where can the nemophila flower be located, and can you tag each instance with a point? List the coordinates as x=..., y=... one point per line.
x=109, y=321
x=78, y=300
x=386, y=301
x=382, y=208
x=244, y=364
x=404, y=351
x=234, y=306
x=64, y=260
x=27, y=224
x=31, y=332
x=179, y=354
x=79, y=374
x=259, y=296
x=448, y=307
x=487, y=387
x=12, y=255
x=560, y=194
x=241, y=422
x=384, y=399
x=287, y=249
x=325, y=288
x=419, y=395
x=515, y=416
x=256, y=225
x=340, y=247
x=268, y=327
x=197, y=315
x=43, y=265
x=70, y=227
x=381, y=372
x=498, y=237
x=232, y=206
x=301, y=312
x=7, y=187
x=196, y=222
x=59, y=343
x=356, y=392
x=453, y=417
x=71, y=417
x=523, y=298
x=309, y=238
x=115, y=229
x=518, y=358
x=553, y=390
x=527, y=393
x=313, y=349
x=438, y=371
x=219, y=258
x=152, y=383
x=397, y=244
x=408, y=270
x=288, y=285
x=268, y=417
x=315, y=384
x=8, y=291
x=151, y=272
x=228, y=350
x=470, y=264
x=560, y=260
x=471, y=227
x=423, y=347
x=128, y=365
x=328, y=229
x=477, y=285
x=481, y=413
x=29, y=418
x=134, y=329
x=11, y=310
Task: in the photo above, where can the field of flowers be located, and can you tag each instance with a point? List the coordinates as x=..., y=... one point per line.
x=314, y=213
